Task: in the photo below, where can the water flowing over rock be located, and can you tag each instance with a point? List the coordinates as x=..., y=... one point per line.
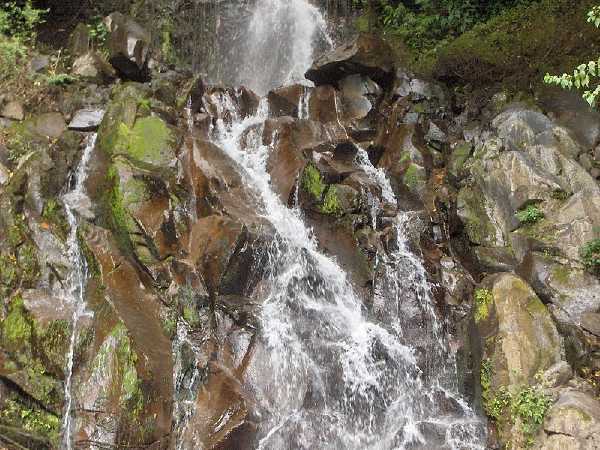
x=298, y=245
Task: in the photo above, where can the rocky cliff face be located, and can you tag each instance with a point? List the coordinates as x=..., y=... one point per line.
x=182, y=260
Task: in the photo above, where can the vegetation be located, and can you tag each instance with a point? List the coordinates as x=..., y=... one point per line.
x=590, y=254
x=530, y=215
x=312, y=182
x=529, y=406
x=483, y=300
x=583, y=73
x=331, y=203
x=17, y=33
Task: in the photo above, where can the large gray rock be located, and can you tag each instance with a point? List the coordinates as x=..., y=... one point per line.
x=573, y=421
x=86, y=120
x=129, y=46
x=365, y=55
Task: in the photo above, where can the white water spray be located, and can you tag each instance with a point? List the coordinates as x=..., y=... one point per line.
x=75, y=291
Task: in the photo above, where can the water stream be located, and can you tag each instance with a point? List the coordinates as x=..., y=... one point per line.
x=75, y=284
x=328, y=373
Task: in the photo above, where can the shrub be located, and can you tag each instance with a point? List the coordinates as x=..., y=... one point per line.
x=17, y=32
x=529, y=406
x=590, y=254
x=530, y=215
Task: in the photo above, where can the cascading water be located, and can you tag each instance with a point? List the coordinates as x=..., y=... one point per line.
x=269, y=61
x=327, y=373
x=75, y=284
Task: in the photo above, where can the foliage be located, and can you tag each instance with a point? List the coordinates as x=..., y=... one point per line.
x=515, y=47
x=20, y=22
x=60, y=79
x=590, y=254
x=17, y=32
x=331, y=203
x=312, y=182
x=422, y=24
x=583, y=73
x=529, y=407
x=530, y=215
x=483, y=300
x=497, y=404
x=98, y=32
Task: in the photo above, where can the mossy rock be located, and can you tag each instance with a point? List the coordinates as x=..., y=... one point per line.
x=472, y=211
x=36, y=353
x=122, y=110
x=415, y=178
x=149, y=143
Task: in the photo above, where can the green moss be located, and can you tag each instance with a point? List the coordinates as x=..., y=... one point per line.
x=122, y=110
x=518, y=46
x=414, y=177
x=42, y=424
x=118, y=218
x=191, y=316
x=16, y=328
x=312, y=182
x=483, y=300
x=149, y=141
x=459, y=156
x=53, y=341
x=87, y=253
x=331, y=203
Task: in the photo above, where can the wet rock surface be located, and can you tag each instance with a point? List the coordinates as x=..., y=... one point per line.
x=179, y=250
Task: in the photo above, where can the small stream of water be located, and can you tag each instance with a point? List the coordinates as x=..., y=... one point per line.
x=75, y=283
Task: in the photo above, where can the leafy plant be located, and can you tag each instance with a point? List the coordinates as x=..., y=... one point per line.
x=98, y=32
x=530, y=215
x=496, y=406
x=60, y=79
x=584, y=73
x=17, y=33
x=590, y=254
x=529, y=407
x=483, y=300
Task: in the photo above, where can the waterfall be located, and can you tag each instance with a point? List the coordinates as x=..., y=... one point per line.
x=73, y=200
x=327, y=373
x=268, y=61
x=330, y=377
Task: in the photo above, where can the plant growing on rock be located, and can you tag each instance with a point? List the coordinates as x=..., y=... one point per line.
x=529, y=407
x=483, y=300
x=590, y=254
x=530, y=215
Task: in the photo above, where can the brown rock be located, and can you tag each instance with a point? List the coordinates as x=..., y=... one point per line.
x=13, y=110
x=365, y=55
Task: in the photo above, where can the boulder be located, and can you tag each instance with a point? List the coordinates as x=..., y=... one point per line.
x=128, y=46
x=86, y=120
x=365, y=55
x=516, y=331
x=288, y=100
x=51, y=125
x=13, y=110
x=92, y=66
x=38, y=63
x=575, y=417
x=80, y=41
